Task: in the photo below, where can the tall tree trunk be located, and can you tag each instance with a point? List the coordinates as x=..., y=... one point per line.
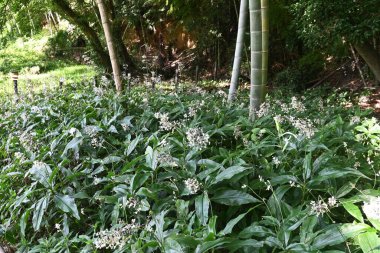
x=110, y=45
x=371, y=57
x=64, y=9
x=265, y=43
x=256, y=91
x=238, y=50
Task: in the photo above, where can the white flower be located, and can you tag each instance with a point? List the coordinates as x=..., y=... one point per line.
x=297, y=105
x=276, y=161
x=166, y=160
x=268, y=185
x=237, y=132
x=372, y=208
x=332, y=202
x=197, y=138
x=264, y=109
x=244, y=186
x=58, y=227
x=116, y=237
x=355, y=120
x=192, y=185
x=319, y=207
x=292, y=183
x=165, y=123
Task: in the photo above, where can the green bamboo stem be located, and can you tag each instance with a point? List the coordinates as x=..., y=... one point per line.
x=256, y=91
x=238, y=51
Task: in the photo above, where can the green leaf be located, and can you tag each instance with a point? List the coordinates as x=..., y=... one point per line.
x=369, y=242
x=202, y=204
x=151, y=157
x=228, y=174
x=231, y=224
x=41, y=172
x=206, y=246
x=233, y=198
x=249, y=244
x=67, y=204
x=111, y=159
x=306, y=232
x=336, y=235
x=74, y=145
x=24, y=221
x=133, y=145
x=255, y=231
x=307, y=167
x=353, y=210
x=39, y=211
x=66, y=229
x=139, y=179
x=172, y=246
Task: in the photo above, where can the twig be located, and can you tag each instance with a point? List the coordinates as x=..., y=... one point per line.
x=356, y=60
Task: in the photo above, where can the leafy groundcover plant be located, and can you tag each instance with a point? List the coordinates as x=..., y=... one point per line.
x=84, y=170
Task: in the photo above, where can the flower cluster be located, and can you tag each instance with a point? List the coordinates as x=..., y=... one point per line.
x=237, y=132
x=197, y=138
x=264, y=110
x=192, y=112
x=372, y=208
x=304, y=126
x=166, y=160
x=192, y=185
x=27, y=141
x=320, y=207
x=297, y=105
x=96, y=140
x=116, y=237
x=165, y=123
x=20, y=156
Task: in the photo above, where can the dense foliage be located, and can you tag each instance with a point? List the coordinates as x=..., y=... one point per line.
x=163, y=172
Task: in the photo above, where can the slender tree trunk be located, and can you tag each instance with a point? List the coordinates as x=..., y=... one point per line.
x=238, y=50
x=256, y=91
x=73, y=17
x=110, y=45
x=265, y=43
x=371, y=57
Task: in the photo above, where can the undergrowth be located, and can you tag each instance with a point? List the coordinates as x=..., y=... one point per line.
x=85, y=170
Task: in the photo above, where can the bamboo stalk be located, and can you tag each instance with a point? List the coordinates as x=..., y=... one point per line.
x=256, y=90
x=238, y=51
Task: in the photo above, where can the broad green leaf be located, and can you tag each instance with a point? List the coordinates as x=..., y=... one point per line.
x=206, y=246
x=255, y=230
x=111, y=159
x=41, y=172
x=151, y=157
x=24, y=222
x=67, y=204
x=133, y=145
x=74, y=145
x=307, y=228
x=233, y=198
x=249, y=244
x=139, y=179
x=228, y=174
x=39, y=211
x=335, y=235
x=307, y=167
x=172, y=246
x=66, y=229
x=231, y=224
x=353, y=210
x=369, y=242
x=202, y=204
